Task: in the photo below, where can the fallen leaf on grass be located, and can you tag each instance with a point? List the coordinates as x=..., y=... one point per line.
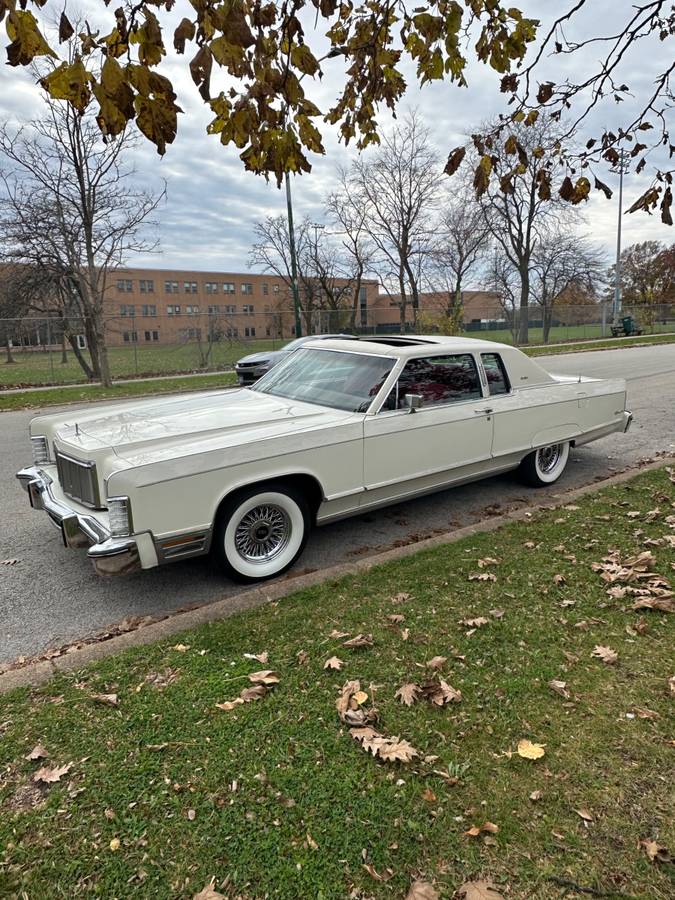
x=421, y=890
x=606, y=654
x=585, y=814
x=248, y=695
x=191, y=814
x=106, y=699
x=440, y=693
x=311, y=842
x=643, y=713
x=486, y=827
x=405, y=633
x=372, y=871
x=662, y=604
x=302, y=657
x=536, y=795
x=428, y=796
x=333, y=663
x=401, y=597
x=265, y=676
x=559, y=579
x=49, y=775
x=361, y=640
x=478, y=622
x=262, y=657
x=496, y=613
x=529, y=545
x=528, y=750
x=437, y=662
x=38, y=752
x=114, y=844
x=408, y=693
x=671, y=685
x=655, y=852
x=482, y=576
x=338, y=634
x=479, y=890
x=350, y=705
x=209, y=892
x=560, y=687
x=396, y=618
x=488, y=561
x=388, y=749
x=229, y=704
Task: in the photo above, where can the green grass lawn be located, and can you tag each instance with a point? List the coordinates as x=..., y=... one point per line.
x=88, y=393
x=275, y=798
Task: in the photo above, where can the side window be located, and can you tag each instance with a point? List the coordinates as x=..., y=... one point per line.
x=438, y=379
x=498, y=381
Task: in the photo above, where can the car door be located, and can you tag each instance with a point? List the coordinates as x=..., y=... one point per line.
x=407, y=451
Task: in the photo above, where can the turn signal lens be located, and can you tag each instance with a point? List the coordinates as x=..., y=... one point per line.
x=119, y=513
x=40, y=447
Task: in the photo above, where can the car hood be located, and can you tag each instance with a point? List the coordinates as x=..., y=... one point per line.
x=269, y=356
x=141, y=431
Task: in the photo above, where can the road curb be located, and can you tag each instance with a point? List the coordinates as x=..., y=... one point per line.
x=40, y=671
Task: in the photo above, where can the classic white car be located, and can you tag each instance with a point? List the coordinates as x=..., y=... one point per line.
x=334, y=430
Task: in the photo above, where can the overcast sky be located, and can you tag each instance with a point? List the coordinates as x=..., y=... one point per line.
x=213, y=204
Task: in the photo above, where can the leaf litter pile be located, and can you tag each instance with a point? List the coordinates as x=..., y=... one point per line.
x=417, y=732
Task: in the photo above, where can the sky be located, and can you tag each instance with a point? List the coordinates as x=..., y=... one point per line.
x=213, y=204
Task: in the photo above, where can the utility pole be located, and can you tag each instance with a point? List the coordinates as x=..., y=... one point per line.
x=620, y=167
x=294, y=261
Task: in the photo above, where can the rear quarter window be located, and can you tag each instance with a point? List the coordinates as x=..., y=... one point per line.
x=498, y=381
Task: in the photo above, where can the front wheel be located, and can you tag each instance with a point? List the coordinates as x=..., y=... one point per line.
x=261, y=531
x=544, y=466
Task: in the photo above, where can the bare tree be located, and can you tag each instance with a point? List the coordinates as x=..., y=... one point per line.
x=400, y=188
x=563, y=266
x=517, y=206
x=70, y=211
x=503, y=279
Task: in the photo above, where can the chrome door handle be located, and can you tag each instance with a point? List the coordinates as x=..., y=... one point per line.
x=487, y=410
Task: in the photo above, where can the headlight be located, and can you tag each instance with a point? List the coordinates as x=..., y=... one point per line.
x=40, y=448
x=119, y=512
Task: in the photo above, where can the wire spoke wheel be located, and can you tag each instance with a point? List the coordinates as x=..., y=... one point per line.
x=549, y=457
x=263, y=533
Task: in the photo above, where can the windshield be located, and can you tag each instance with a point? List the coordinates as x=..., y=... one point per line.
x=347, y=381
x=298, y=342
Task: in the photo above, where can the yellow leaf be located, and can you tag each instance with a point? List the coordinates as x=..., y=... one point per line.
x=528, y=750
x=115, y=844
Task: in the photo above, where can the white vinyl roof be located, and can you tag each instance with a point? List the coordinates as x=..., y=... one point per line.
x=413, y=346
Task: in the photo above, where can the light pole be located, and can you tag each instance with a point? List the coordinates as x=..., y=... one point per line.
x=294, y=261
x=621, y=167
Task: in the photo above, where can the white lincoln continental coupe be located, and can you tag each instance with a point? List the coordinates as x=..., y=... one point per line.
x=336, y=429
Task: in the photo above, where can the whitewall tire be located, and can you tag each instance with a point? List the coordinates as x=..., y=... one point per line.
x=261, y=531
x=545, y=465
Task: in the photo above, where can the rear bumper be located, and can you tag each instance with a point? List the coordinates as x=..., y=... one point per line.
x=109, y=555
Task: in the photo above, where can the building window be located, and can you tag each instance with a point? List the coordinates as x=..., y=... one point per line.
x=275, y=288
x=214, y=310
x=148, y=310
x=125, y=285
x=246, y=287
x=193, y=333
x=130, y=336
x=230, y=309
x=211, y=287
x=128, y=309
x=266, y=288
x=173, y=310
x=171, y=287
x=190, y=287
x=228, y=287
x=249, y=332
x=151, y=335
x=147, y=286
x=247, y=309
x=192, y=310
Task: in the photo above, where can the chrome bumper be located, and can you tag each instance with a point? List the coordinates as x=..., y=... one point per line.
x=109, y=555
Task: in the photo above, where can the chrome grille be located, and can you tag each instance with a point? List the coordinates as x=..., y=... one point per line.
x=78, y=479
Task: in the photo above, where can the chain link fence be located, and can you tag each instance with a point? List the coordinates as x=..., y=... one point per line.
x=42, y=351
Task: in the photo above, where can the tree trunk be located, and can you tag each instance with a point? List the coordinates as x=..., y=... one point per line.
x=64, y=352
x=523, y=323
x=9, y=359
x=79, y=356
x=548, y=318
x=403, y=299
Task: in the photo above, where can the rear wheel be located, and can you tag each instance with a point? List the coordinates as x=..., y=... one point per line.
x=546, y=465
x=261, y=531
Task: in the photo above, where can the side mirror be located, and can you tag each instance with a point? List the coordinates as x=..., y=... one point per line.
x=414, y=401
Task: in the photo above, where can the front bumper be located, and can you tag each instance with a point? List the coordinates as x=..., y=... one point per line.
x=109, y=555
x=246, y=375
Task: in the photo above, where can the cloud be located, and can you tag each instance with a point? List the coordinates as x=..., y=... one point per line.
x=213, y=204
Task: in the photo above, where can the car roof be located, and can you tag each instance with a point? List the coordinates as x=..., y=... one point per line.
x=404, y=347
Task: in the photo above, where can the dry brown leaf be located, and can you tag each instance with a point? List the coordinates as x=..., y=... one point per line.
x=497, y=613
x=191, y=814
x=408, y=693
x=671, y=685
x=181, y=648
x=606, y=654
x=643, y=713
x=478, y=622
x=114, y=844
x=486, y=827
x=372, y=871
x=265, y=676
x=338, y=634
x=302, y=657
x=49, y=774
x=655, y=852
x=428, y=796
x=662, y=604
x=528, y=750
x=361, y=640
x=257, y=692
x=440, y=693
x=560, y=687
x=401, y=597
x=559, y=579
x=529, y=545
x=262, y=657
x=333, y=663
x=389, y=749
x=360, y=697
x=311, y=842
x=209, y=892
x=396, y=618
x=585, y=814
x=437, y=662
x=488, y=561
x=38, y=752
x=421, y=890
x=536, y=795
x=479, y=890
x=230, y=704
x=106, y=699
x=482, y=576
x=405, y=633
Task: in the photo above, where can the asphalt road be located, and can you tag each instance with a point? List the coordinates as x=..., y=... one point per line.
x=51, y=596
